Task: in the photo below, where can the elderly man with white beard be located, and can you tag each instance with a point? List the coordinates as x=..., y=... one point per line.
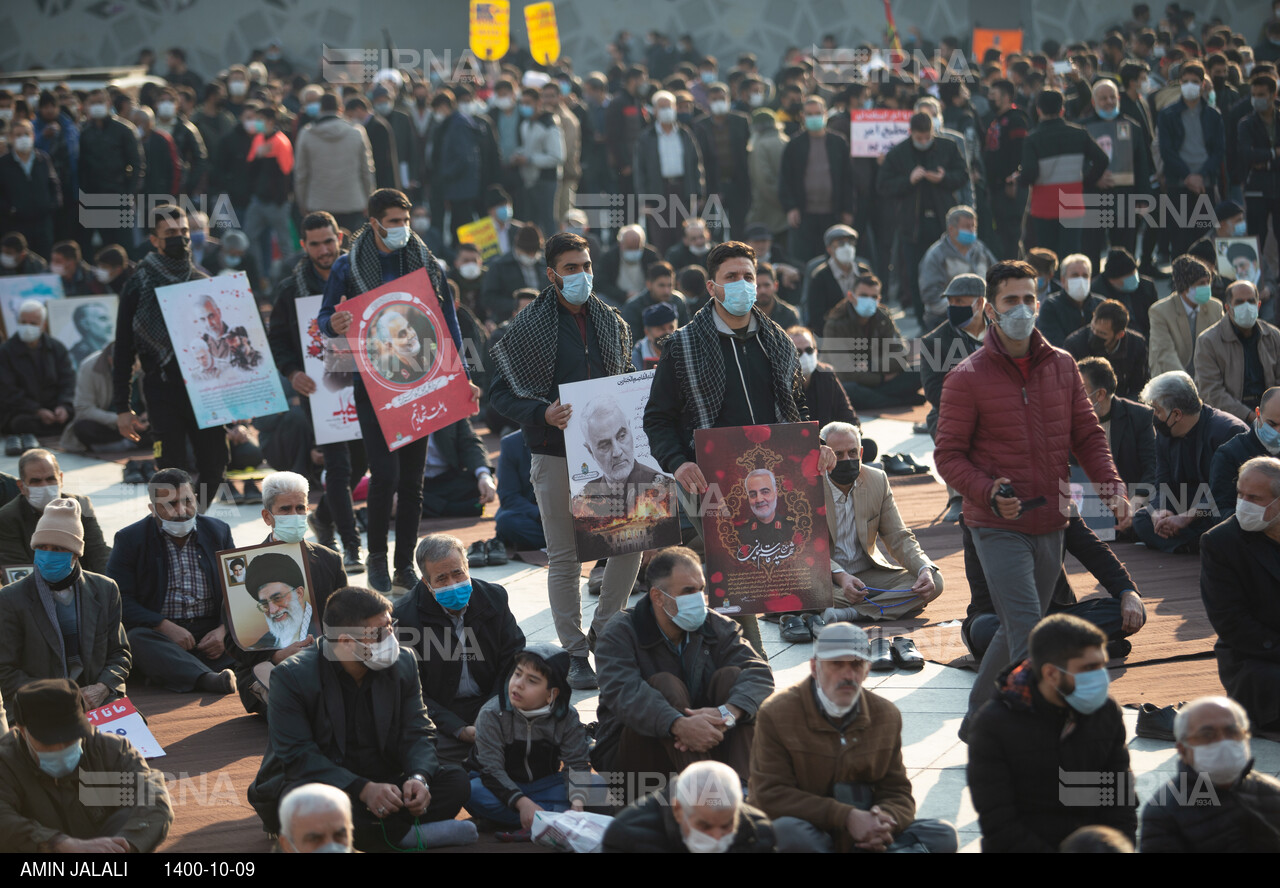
x=284, y=510
x=401, y=355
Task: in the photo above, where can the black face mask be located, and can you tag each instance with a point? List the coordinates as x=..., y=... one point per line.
x=1097, y=343
x=1163, y=427
x=420, y=101
x=177, y=246
x=845, y=471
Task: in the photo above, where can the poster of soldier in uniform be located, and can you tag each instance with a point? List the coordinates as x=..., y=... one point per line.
x=764, y=519
x=621, y=501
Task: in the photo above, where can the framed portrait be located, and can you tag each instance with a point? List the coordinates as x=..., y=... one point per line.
x=17, y=572
x=268, y=594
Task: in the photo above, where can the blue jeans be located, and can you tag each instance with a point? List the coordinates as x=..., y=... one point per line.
x=549, y=792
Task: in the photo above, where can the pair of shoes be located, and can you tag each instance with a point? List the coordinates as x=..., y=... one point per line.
x=477, y=554
x=896, y=465
x=29, y=442
x=919, y=428
x=12, y=445
x=1156, y=722
x=495, y=553
x=581, y=676
x=351, y=562
x=379, y=577
x=595, y=580
x=324, y=531
x=139, y=471
x=1119, y=648
x=910, y=460
x=800, y=628
x=405, y=578
x=249, y=495
x=901, y=653
x=223, y=682
x=881, y=655
x=955, y=508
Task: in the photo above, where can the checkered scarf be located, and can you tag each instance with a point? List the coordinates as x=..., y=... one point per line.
x=366, y=264
x=699, y=363
x=525, y=355
x=157, y=270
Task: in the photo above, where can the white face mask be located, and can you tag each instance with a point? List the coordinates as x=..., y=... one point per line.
x=701, y=843
x=536, y=713
x=1078, y=288
x=178, y=529
x=830, y=707
x=667, y=115
x=382, y=654
x=8, y=261
x=29, y=333
x=1250, y=516
x=23, y=144
x=469, y=271
x=166, y=110
x=41, y=496
x=97, y=111
x=808, y=363
x=845, y=254
x=719, y=106
x=101, y=275
x=1223, y=762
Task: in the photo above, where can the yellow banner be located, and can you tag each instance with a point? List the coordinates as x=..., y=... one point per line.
x=490, y=28
x=484, y=234
x=544, y=36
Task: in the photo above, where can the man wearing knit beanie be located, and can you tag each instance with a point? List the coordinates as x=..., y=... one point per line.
x=62, y=621
x=1120, y=280
x=1179, y=318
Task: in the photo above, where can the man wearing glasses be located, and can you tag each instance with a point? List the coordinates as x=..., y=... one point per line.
x=348, y=712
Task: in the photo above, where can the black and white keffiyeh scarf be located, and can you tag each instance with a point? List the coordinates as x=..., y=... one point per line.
x=157, y=270
x=366, y=263
x=526, y=354
x=699, y=365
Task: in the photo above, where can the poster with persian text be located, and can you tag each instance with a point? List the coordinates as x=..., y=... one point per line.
x=764, y=519
x=333, y=403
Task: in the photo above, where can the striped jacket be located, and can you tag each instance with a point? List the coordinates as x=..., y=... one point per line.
x=1060, y=159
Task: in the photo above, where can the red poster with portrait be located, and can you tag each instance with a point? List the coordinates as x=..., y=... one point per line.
x=407, y=359
x=764, y=520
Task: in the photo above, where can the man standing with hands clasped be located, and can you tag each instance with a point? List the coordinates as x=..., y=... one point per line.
x=1011, y=415
x=584, y=339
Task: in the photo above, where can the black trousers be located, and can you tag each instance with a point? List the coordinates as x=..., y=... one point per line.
x=174, y=424
x=451, y=495
x=450, y=790
x=344, y=466
x=395, y=473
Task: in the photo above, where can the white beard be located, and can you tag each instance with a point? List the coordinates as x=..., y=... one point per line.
x=292, y=627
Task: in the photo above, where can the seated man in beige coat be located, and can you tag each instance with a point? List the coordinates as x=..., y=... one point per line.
x=1191, y=307
x=860, y=509
x=1238, y=358
x=61, y=621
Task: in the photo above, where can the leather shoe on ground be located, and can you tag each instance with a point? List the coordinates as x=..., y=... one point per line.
x=29, y=442
x=894, y=464
x=793, y=630
x=815, y=623
x=955, y=509
x=12, y=445
x=478, y=554
x=351, y=562
x=881, y=655
x=905, y=654
x=1156, y=722
x=379, y=577
x=1119, y=648
x=581, y=676
x=911, y=461
x=495, y=552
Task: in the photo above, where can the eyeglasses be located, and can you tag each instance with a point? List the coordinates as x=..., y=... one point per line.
x=381, y=632
x=277, y=601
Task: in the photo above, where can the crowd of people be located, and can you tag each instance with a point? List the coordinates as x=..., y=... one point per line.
x=1035, y=333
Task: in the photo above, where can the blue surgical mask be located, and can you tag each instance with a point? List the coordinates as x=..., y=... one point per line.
x=397, y=237
x=739, y=297
x=708, y=77
x=632, y=255
x=1269, y=437
x=53, y=566
x=965, y=237
x=691, y=611
x=865, y=306
x=312, y=109
x=453, y=597
x=1090, y=692
x=231, y=261
x=1109, y=115
x=1129, y=284
x=526, y=111
x=1240, y=229
x=197, y=239
x=60, y=763
x=504, y=213
x=290, y=528
x=815, y=122
x=576, y=288
x=1201, y=294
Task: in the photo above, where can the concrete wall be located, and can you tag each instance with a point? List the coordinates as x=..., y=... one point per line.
x=216, y=33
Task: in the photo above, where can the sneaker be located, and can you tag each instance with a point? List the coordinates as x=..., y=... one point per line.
x=324, y=532
x=405, y=578
x=29, y=442
x=379, y=577
x=478, y=554
x=12, y=445
x=496, y=552
x=581, y=676
x=351, y=562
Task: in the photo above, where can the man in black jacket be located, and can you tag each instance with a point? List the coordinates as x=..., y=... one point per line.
x=921, y=175
x=322, y=245
x=1050, y=720
x=229, y=174
x=833, y=278
x=458, y=480
x=465, y=637
x=192, y=155
x=1109, y=337
x=1262, y=439
x=511, y=271
x=385, y=163
x=1001, y=154
x=37, y=384
x=17, y=259
x=166, y=568
x=1128, y=427
x=348, y=712
x=815, y=190
x=1119, y=280
x=723, y=136
x=111, y=163
x=30, y=194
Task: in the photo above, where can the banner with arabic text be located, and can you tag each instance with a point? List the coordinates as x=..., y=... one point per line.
x=333, y=403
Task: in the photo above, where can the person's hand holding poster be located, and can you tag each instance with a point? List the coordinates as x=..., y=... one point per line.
x=764, y=519
x=267, y=592
x=407, y=359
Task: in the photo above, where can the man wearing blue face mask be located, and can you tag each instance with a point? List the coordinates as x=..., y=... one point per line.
x=1263, y=439
x=865, y=346
x=567, y=334
x=679, y=682
x=1120, y=280
x=1178, y=319
x=958, y=251
x=165, y=567
x=466, y=639
x=1129, y=170
x=284, y=510
x=62, y=621
x=45, y=808
x=1050, y=715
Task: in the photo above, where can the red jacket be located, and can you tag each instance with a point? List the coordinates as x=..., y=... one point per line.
x=993, y=424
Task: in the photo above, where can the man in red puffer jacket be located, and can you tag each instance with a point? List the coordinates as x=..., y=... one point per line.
x=1013, y=412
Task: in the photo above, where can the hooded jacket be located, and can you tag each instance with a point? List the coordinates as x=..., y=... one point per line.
x=1023, y=753
x=333, y=167
x=512, y=749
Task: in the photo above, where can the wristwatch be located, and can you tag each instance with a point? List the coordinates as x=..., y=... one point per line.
x=729, y=720
x=421, y=778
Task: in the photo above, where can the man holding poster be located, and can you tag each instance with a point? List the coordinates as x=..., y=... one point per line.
x=588, y=340
x=141, y=332
x=384, y=250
